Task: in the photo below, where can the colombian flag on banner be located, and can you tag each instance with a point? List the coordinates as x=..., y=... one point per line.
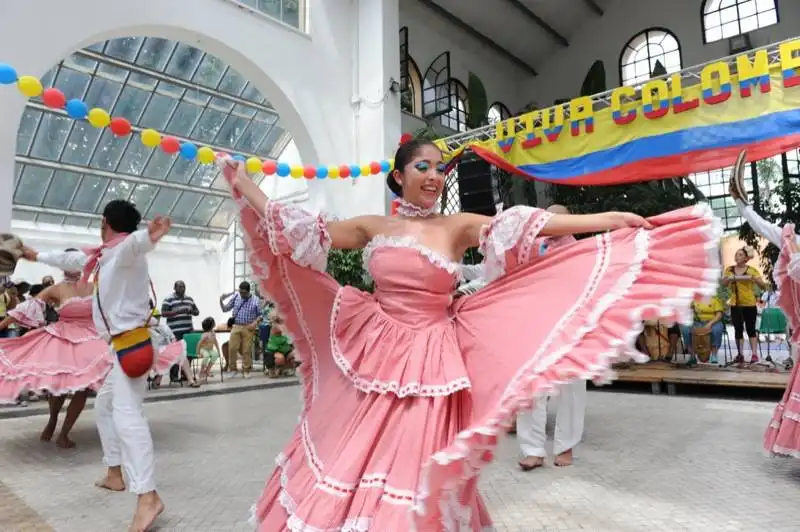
x=665, y=131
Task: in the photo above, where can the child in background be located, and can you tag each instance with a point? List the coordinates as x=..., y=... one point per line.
x=277, y=357
x=208, y=348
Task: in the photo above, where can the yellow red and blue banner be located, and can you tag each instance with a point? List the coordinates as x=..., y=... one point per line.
x=666, y=130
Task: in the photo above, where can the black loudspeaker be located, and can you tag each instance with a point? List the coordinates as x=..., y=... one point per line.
x=476, y=187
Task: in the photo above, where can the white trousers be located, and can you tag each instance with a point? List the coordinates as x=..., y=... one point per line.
x=569, y=422
x=124, y=431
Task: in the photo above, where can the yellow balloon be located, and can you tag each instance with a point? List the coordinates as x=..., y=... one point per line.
x=333, y=172
x=391, y=164
x=151, y=138
x=98, y=117
x=296, y=172
x=206, y=155
x=253, y=165
x=29, y=86
x=365, y=170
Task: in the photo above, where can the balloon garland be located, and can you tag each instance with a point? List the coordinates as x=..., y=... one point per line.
x=31, y=87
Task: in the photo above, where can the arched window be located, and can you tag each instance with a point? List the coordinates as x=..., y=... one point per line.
x=456, y=118
x=412, y=96
x=498, y=112
x=640, y=56
x=723, y=19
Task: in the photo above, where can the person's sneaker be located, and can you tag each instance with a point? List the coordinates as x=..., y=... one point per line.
x=754, y=359
x=739, y=359
x=713, y=360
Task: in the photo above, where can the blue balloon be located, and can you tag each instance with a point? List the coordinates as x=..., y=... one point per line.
x=77, y=109
x=239, y=157
x=385, y=166
x=283, y=169
x=322, y=172
x=188, y=151
x=355, y=170
x=7, y=74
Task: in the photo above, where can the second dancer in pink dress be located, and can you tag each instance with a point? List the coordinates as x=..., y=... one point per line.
x=408, y=390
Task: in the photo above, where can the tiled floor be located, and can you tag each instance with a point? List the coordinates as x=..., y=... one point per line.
x=648, y=463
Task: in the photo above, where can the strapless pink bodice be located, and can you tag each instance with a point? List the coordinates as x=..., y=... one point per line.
x=74, y=320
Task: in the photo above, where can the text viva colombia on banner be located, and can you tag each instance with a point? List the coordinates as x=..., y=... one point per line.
x=669, y=130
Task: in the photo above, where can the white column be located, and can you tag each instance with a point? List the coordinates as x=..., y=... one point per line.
x=376, y=109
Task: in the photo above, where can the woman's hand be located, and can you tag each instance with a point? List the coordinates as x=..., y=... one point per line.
x=622, y=220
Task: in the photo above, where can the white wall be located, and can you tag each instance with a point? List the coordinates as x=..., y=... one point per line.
x=429, y=35
x=197, y=264
x=604, y=38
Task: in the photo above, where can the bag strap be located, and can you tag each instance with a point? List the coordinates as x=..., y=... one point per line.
x=100, y=306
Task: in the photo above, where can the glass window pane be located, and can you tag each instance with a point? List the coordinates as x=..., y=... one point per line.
x=81, y=142
x=231, y=130
x=225, y=215
x=76, y=221
x=103, y=93
x=252, y=137
x=125, y=48
x=142, y=81
x=49, y=77
x=181, y=171
x=17, y=172
x=111, y=72
x=158, y=111
x=25, y=216
x=221, y=104
x=271, y=143
x=184, y=119
x=159, y=165
x=117, y=189
x=27, y=127
x=89, y=193
x=80, y=63
x=252, y=94
x=63, y=186
x=714, y=34
x=47, y=218
x=155, y=53
x=270, y=7
x=135, y=158
x=170, y=89
x=109, y=150
x=163, y=202
x=190, y=233
x=208, y=126
x=205, y=210
x=767, y=18
x=210, y=71
x=291, y=13
x=232, y=83
x=749, y=24
x=142, y=196
x=131, y=103
x=747, y=8
x=52, y=135
x=204, y=175
x=72, y=83
x=184, y=61
x=32, y=185
x=244, y=111
x=184, y=208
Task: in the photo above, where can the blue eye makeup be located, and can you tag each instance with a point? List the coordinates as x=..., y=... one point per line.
x=424, y=166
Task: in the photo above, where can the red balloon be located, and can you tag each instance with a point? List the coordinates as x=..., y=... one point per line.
x=344, y=171
x=120, y=126
x=222, y=155
x=375, y=167
x=54, y=98
x=310, y=172
x=269, y=167
x=170, y=144
x=406, y=137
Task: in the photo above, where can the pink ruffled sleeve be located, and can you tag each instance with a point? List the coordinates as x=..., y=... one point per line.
x=298, y=234
x=794, y=267
x=509, y=240
x=29, y=313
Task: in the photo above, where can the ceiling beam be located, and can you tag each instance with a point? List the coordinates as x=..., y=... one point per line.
x=487, y=41
x=539, y=21
x=594, y=6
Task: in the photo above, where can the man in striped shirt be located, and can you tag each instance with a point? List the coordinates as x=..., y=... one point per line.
x=179, y=309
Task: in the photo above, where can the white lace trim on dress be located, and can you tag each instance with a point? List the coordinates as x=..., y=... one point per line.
x=411, y=242
x=305, y=233
x=506, y=231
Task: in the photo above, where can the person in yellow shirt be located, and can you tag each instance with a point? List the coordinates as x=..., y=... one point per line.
x=741, y=280
x=707, y=319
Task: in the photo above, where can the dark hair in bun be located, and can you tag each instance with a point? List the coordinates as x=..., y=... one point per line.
x=404, y=154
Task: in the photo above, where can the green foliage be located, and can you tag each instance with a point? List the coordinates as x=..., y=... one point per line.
x=658, y=70
x=478, y=104
x=347, y=267
x=778, y=202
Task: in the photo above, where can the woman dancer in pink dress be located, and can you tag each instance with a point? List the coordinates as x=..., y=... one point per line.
x=407, y=390
x=61, y=358
x=782, y=436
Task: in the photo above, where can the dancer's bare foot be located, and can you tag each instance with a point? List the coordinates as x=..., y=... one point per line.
x=64, y=442
x=148, y=508
x=113, y=480
x=531, y=462
x=47, y=433
x=564, y=459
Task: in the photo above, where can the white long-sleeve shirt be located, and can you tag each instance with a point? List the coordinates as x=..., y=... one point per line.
x=772, y=233
x=124, y=282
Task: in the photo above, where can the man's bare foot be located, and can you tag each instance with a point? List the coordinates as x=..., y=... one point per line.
x=531, y=462
x=64, y=442
x=564, y=459
x=111, y=483
x=148, y=508
x=47, y=433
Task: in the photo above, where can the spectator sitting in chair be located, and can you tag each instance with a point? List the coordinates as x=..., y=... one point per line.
x=245, y=309
x=278, y=359
x=208, y=349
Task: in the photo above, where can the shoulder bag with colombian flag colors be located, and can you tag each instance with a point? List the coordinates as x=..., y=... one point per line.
x=134, y=348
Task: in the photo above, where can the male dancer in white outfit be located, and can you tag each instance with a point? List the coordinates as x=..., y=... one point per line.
x=124, y=291
x=571, y=409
